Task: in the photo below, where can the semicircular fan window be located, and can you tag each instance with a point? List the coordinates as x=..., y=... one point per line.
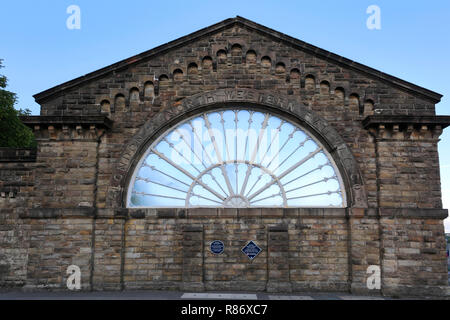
x=236, y=158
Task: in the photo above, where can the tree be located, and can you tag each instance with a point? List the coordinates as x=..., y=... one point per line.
x=13, y=133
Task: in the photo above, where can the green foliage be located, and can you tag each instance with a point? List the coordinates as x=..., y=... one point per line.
x=13, y=133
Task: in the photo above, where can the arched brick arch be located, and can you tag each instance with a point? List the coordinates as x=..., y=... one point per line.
x=275, y=103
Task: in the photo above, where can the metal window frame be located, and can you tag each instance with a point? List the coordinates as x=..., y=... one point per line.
x=309, y=134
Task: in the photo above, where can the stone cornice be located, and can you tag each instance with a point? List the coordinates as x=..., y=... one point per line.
x=250, y=213
x=56, y=213
x=216, y=213
x=69, y=121
x=17, y=154
x=402, y=127
x=413, y=213
x=404, y=121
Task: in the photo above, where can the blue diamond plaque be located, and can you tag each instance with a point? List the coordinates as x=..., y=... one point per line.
x=217, y=247
x=251, y=250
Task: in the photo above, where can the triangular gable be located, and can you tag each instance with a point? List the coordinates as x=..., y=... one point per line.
x=301, y=45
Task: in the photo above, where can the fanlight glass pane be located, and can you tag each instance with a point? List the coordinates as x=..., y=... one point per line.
x=236, y=158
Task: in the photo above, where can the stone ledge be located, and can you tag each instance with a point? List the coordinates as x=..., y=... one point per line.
x=138, y=214
x=250, y=213
x=98, y=121
x=55, y=213
x=121, y=213
x=393, y=213
x=413, y=213
x=217, y=213
x=363, y=213
x=17, y=154
x=404, y=120
x=323, y=212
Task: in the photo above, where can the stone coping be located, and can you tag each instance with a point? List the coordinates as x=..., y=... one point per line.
x=55, y=213
x=375, y=120
x=17, y=154
x=99, y=121
x=413, y=213
x=212, y=213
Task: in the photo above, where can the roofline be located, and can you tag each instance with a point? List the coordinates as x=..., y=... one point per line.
x=324, y=54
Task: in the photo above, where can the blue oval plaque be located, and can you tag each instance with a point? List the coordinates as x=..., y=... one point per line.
x=217, y=247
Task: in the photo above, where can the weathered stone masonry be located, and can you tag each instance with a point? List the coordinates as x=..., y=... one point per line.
x=64, y=203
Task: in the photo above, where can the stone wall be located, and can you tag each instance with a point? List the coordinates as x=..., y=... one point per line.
x=54, y=245
x=302, y=250
x=108, y=250
x=341, y=96
x=64, y=205
x=412, y=253
x=16, y=185
x=66, y=172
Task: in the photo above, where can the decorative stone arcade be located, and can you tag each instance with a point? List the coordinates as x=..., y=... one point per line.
x=330, y=167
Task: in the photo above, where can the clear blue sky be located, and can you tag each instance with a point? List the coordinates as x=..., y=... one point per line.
x=39, y=51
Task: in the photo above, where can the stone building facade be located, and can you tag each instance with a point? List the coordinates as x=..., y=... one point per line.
x=66, y=202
